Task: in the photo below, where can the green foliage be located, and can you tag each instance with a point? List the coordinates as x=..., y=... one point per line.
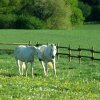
x=91, y=10
x=60, y=18
x=86, y=9
x=91, y=2
x=55, y=13
x=95, y=13
x=29, y=22
x=73, y=3
x=77, y=16
x=4, y=2
x=15, y=3
x=7, y=21
x=43, y=9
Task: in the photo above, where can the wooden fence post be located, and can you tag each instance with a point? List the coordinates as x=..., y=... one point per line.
x=57, y=51
x=92, y=51
x=79, y=54
x=29, y=43
x=69, y=53
x=37, y=44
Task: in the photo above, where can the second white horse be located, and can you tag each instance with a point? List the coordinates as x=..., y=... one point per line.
x=23, y=55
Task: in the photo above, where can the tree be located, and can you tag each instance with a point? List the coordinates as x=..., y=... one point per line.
x=60, y=15
x=4, y=3
x=95, y=15
x=90, y=9
x=77, y=15
x=28, y=22
x=91, y=2
x=53, y=12
x=7, y=20
x=86, y=9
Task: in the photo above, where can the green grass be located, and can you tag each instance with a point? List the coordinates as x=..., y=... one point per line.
x=86, y=36
x=74, y=81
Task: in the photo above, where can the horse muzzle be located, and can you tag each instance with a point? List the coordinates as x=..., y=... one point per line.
x=53, y=57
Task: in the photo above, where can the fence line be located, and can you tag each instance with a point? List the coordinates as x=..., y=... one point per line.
x=68, y=49
x=28, y=43
x=79, y=50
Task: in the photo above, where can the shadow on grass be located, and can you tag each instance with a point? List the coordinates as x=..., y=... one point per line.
x=7, y=74
x=13, y=75
x=97, y=78
x=71, y=68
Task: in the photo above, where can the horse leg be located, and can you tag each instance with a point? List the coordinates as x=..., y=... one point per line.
x=46, y=68
x=26, y=69
x=23, y=67
x=32, y=69
x=54, y=66
x=42, y=63
x=20, y=66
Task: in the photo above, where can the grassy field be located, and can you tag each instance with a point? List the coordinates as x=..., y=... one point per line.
x=74, y=81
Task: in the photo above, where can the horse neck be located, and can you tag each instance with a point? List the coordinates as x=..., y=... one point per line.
x=48, y=52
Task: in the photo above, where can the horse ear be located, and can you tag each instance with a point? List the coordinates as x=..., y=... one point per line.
x=53, y=44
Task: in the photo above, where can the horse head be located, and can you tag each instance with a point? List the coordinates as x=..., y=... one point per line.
x=53, y=50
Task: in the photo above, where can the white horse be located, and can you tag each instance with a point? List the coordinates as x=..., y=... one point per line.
x=23, y=55
x=46, y=53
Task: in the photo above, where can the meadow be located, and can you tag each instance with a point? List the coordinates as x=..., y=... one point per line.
x=74, y=81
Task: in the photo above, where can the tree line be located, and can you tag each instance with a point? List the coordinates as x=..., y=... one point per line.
x=90, y=10
x=42, y=14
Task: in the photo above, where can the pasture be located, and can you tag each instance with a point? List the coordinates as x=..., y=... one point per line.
x=74, y=81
